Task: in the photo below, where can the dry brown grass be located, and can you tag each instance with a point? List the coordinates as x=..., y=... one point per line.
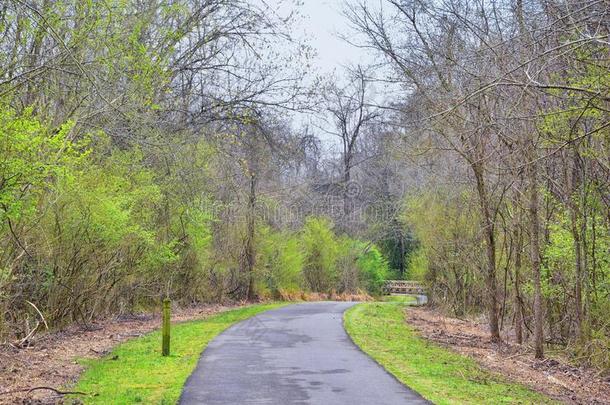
x=294, y=296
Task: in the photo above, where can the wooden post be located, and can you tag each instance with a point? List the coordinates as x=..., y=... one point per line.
x=165, y=328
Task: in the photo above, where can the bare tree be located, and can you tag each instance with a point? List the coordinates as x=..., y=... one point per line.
x=351, y=111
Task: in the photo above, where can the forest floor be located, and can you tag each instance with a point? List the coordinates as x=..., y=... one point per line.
x=53, y=360
x=553, y=376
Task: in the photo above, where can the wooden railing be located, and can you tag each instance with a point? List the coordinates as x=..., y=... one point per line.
x=403, y=287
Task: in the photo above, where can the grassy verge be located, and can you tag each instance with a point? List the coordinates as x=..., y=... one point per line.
x=438, y=374
x=403, y=299
x=135, y=371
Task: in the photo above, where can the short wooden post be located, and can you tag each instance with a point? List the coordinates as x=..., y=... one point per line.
x=165, y=328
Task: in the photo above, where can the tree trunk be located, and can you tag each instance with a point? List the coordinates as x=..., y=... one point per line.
x=347, y=176
x=571, y=176
x=535, y=257
x=578, y=262
x=518, y=310
x=401, y=259
x=250, y=253
x=490, y=246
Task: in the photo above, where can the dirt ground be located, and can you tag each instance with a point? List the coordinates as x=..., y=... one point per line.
x=554, y=376
x=50, y=362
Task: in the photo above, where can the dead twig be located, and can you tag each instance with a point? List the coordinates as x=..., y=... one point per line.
x=55, y=390
x=26, y=339
x=58, y=392
x=39, y=313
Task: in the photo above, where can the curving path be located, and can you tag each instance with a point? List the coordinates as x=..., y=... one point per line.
x=299, y=354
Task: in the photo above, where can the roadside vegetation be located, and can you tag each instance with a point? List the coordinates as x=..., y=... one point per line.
x=513, y=217
x=403, y=299
x=191, y=150
x=87, y=230
x=135, y=371
x=442, y=376
x=114, y=195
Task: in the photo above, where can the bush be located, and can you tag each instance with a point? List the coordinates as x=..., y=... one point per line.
x=102, y=250
x=280, y=263
x=320, y=255
x=418, y=265
x=450, y=255
x=89, y=228
x=343, y=265
x=373, y=269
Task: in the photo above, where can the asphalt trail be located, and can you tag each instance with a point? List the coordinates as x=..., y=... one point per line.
x=299, y=354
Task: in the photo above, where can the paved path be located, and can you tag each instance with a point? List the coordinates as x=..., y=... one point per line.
x=299, y=354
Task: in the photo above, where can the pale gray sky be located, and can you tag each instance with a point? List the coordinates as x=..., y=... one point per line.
x=320, y=22
x=324, y=20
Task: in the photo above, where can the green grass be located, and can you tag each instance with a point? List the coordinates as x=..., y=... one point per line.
x=404, y=299
x=438, y=374
x=135, y=371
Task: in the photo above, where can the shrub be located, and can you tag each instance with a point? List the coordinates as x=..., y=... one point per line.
x=320, y=254
x=373, y=269
x=279, y=263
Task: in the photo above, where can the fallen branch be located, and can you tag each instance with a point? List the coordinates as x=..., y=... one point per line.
x=55, y=390
x=27, y=338
x=22, y=343
x=39, y=313
x=58, y=392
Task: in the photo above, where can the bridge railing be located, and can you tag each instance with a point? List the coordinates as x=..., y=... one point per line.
x=403, y=287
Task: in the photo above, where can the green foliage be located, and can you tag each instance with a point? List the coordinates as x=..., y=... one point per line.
x=577, y=226
x=418, y=265
x=33, y=159
x=111, y=198
x=97, y=246
x=101, y=228
x=320, y=248
x=450, y=255
x=30, y=155
x=398, y=248
x=340, y=264
x=280, y=263
x=373, y=268
x=559, y=259
x=316, y=260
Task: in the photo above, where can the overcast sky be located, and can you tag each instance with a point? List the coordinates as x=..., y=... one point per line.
x=323, y=21
x=320, y=23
